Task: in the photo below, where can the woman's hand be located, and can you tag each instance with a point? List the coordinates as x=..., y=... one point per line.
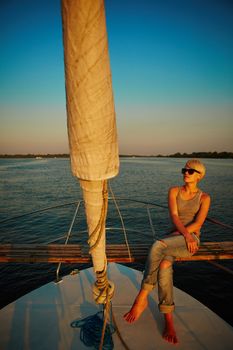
x=191, y=243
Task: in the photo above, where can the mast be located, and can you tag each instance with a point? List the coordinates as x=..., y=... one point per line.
x=91, y=118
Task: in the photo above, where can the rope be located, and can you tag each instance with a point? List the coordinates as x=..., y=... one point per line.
x=224, y=268
x=151, y=223
x=118, y=333
x=101, y=224
x=37, y=211
x=68, y=236
x=106, y=310
x=106, y=314
x=122, y=221
x=214, y=221
x=91, y=331
x=102, y=287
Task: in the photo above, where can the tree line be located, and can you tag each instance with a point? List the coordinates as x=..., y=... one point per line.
x=223, y=155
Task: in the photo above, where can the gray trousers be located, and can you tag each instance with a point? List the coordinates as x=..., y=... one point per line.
x=164, y=249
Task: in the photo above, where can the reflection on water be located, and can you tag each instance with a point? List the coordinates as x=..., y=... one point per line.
x=28, y=185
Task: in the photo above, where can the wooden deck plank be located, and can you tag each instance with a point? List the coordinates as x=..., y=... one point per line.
x=75, y=253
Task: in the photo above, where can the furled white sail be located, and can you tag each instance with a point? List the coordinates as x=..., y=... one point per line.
x=90, y=113
x=90, y=107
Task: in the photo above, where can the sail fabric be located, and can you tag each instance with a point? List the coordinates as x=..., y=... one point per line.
x=91, y=118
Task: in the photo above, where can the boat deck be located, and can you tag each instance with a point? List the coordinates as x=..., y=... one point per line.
x=42, y=319
x=76, y=253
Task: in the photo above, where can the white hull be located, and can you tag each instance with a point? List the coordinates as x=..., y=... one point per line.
x=42, y=318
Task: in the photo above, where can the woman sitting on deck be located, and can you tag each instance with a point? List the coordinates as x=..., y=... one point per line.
x=188, y=207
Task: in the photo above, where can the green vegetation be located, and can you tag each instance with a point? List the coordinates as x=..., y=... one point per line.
x=223, y=155
x=64, y=155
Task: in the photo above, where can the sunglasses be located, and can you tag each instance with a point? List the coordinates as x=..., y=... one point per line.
x=190, y=171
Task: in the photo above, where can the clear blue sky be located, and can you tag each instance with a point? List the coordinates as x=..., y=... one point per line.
x=171, y=66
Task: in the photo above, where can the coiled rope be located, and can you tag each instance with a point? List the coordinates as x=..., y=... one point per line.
x=91, y=331
x=103, y=289
x=97, y=332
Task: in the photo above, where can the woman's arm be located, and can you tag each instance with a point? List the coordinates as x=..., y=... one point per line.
x=201, y=215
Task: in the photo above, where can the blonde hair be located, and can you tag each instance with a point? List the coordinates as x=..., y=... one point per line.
x=197, y=165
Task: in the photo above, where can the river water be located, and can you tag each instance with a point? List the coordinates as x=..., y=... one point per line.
x=28, y=185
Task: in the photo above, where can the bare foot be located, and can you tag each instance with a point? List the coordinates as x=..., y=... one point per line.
x=169, y=333
x=139, y=305
x=170, y=336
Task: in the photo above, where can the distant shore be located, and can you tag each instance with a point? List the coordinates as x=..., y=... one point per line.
x=220, y=155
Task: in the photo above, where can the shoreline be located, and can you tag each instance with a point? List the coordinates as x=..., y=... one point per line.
x=210, y=155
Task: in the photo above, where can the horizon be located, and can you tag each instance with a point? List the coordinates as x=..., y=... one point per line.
x=171, y=69
x=176, y=155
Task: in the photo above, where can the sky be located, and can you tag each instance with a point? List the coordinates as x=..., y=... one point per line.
x=172, y=71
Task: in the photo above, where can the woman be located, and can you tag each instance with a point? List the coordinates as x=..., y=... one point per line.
x=188, y=207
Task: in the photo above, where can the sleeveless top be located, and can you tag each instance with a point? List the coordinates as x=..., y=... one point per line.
x=187, y=209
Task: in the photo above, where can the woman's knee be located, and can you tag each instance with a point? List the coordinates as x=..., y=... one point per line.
x=165, y=264
x=157, y=247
